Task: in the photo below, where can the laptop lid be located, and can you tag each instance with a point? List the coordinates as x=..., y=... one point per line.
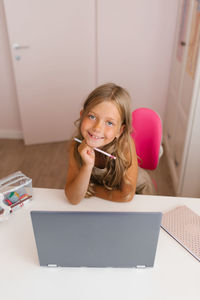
x=96, y=239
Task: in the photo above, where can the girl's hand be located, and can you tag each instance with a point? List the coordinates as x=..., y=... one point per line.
x=87, y=154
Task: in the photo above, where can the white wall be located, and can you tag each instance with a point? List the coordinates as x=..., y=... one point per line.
x=145, y=58
x=153, y=27
x=10, y=126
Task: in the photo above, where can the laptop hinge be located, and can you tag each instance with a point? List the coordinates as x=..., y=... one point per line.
x=52, y=265
x=140, y=266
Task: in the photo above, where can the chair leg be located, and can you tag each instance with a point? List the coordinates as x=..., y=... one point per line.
x=161, y=151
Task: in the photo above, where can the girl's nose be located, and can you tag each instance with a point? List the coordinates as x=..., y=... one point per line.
x=97, y=126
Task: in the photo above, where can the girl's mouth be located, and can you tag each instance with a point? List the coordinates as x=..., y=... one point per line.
x=95, y=137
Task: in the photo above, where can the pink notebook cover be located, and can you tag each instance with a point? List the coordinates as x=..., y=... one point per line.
x=184, y=226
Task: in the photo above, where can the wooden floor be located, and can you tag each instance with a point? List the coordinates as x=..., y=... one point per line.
x=47, y=164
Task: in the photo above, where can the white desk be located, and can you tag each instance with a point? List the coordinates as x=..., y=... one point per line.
x=176, y=273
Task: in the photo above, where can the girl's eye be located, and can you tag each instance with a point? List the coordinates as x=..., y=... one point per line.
x=92, y=117
x=109, y=123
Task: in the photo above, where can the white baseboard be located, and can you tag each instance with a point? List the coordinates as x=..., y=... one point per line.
x=10, y=134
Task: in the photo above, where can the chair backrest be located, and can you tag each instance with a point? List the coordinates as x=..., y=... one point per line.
x=147, y=135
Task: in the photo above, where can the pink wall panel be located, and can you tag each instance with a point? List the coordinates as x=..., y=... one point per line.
x=135, y=41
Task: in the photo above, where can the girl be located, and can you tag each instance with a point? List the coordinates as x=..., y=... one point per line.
x=105, y=123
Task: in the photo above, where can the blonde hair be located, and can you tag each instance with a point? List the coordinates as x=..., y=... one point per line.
x=119, y=147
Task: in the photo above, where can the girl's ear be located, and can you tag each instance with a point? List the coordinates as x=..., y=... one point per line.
x=120, y=131
x=81, y=112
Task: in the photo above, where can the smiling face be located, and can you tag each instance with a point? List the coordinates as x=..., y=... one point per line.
x=101, y=124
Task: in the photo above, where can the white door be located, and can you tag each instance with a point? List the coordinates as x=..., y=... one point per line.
x=185, y=91
x=53, y=52
x=181, y=86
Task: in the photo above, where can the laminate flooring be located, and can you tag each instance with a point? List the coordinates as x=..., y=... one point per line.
x=47, y=164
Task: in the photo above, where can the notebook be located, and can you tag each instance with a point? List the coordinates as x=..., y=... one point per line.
x=96, y=239
x=184, y=226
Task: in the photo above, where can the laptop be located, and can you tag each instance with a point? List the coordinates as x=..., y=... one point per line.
x=96, y=239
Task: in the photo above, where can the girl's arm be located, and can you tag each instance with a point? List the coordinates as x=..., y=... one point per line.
x=127, y=190
x=78, y=178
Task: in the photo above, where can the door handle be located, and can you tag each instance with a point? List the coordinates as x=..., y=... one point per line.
x=17, y=46
x=183, y=43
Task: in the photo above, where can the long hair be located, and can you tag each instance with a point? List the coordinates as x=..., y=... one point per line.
x=119, y=147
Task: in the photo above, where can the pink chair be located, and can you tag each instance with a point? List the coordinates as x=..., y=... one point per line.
x=147, y=135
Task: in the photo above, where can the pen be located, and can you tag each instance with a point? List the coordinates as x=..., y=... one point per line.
x=97, y=149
